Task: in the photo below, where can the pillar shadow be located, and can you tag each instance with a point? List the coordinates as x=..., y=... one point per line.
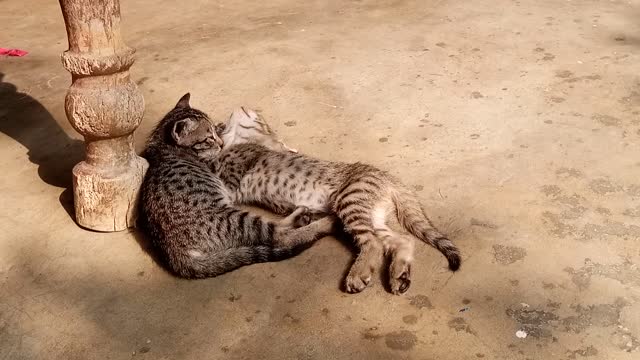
x=27, y=121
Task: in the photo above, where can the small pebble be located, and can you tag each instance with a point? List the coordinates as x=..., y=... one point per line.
x=521, y=334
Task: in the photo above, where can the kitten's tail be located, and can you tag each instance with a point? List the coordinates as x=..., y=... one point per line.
x=413, y=219
x=220, y=262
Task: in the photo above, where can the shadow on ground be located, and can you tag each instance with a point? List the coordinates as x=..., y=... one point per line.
x=27, y=121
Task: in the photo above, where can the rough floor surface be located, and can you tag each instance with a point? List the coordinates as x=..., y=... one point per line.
x=517, y=122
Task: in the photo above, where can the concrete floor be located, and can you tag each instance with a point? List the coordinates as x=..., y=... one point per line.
x=516, y=121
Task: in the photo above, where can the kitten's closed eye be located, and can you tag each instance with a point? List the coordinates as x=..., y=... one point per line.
x=203, y=145
x=208, y=148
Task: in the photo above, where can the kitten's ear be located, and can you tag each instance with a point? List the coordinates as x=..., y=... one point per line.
x=220, y=128
x=184, y=101
x=182, y=129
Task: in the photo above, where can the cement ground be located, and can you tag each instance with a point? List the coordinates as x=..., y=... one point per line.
x=517, y=122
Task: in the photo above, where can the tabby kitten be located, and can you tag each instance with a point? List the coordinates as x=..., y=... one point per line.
x=362, y=196
x=188, y=212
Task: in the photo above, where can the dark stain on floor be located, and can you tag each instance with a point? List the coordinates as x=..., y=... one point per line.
x=410, y=319
x=535, y=322
x=602, y=315
x=583, y=352
x=625, y=272
x=482, y=223
x=420, y=301
x=506, y=255
x=603, y=186
x=403, y=340
x=371, y=334
x=460, y=324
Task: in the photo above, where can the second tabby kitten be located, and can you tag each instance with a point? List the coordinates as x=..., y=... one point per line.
x=257, y=171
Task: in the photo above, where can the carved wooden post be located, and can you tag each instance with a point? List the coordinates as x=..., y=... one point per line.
x=105, y=106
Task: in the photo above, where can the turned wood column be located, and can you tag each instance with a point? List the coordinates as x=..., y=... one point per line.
x=105, y=106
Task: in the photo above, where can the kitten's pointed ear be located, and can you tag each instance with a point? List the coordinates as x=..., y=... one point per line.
x=181, y=130
x=220, y=128
x=184, y=101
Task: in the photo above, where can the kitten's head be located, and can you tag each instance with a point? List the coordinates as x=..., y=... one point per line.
x=187, y=128
x=247, y=126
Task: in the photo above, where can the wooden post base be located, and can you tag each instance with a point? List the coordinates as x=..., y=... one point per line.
x=105, y=106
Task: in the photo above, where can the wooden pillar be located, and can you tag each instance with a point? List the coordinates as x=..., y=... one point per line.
x=105, y=106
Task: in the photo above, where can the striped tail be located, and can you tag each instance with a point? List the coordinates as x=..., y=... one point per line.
x=413, y=219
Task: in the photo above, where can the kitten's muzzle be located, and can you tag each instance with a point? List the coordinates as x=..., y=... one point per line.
x=214, y=142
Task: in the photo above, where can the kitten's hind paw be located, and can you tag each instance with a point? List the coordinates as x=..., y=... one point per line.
x=399, y=277
x=300, y=217
x=355, y=284
x=358, y=279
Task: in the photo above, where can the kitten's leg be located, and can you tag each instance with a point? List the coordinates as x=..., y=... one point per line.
x=317, y=215
x=279, y=209
x=301, y=216
x=288, y=210
x=400, y=249
x=368, y=260
x=353, y=207
x=242, y=228
x=307, y=234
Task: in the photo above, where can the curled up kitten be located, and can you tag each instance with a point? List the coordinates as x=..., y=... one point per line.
x=190, y=215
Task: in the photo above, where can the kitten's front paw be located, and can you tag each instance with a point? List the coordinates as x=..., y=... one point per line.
x=300, y=217
x=287, y=148
x=303, y=218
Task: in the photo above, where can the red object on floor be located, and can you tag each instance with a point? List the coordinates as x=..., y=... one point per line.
x=12, y=52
